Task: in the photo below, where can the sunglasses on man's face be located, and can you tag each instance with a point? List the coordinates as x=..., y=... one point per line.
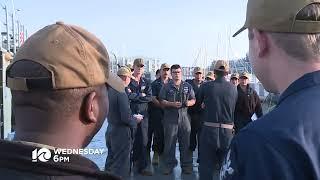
x=140, y=66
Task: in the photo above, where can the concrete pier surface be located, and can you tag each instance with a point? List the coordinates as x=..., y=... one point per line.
x=99, y=142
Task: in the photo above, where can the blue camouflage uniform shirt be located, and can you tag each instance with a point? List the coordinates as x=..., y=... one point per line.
x=285, y=143
x=156, y=86
x=139, y=103
x=170, y=93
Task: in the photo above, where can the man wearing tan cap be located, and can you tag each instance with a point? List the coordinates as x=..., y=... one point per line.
x=175, y=97
x=125, y=75
x=219, y=98
x=248, y=103
x=210, y=76
x=59, y=80
x=284, y=53
x=155, y=131
x=234, y=79
x=140, y=95
x=195, y=110
x=119, y=135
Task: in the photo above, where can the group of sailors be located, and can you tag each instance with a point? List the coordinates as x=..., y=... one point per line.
x=201, y=113
x=62, y=91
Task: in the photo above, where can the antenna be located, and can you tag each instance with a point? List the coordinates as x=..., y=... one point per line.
x=218, y=49
x=197, y=57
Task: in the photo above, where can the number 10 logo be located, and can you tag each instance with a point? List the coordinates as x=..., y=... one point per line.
x=43, y=155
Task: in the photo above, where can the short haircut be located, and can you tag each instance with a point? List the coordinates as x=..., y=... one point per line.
x=300, y=46
x=175, y=66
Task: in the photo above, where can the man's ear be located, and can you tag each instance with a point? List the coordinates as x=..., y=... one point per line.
x=91, y=108
x=262, y=42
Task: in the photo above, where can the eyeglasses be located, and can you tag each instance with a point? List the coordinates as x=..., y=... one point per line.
x=140, y=65
x=165, y=69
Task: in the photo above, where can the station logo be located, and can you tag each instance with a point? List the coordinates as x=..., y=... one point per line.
x=42, y=155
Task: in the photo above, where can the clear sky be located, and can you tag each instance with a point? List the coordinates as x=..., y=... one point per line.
x=175, y=31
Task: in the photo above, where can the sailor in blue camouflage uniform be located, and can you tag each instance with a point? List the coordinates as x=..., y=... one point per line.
x=121, y=122
x=140, y=94
x=284, y=41
x=195, y=110
x=176, y=97
x=219, y=98
x=155, y=132
x=210, y=76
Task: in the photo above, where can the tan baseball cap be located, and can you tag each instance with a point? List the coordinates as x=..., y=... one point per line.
x=165, y=66
x=210, y=75
x=279, y=16
x=138, y=62
x=244, y=74
x=234, y=75
x=197, y=70
x=124, y=71
x=221, y=65
x=74, y=57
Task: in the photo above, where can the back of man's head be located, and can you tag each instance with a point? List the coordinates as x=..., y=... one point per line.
x=221, y=68
x=302, y=46
x=283, y=37
x=58, y=82
x=296, y=30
